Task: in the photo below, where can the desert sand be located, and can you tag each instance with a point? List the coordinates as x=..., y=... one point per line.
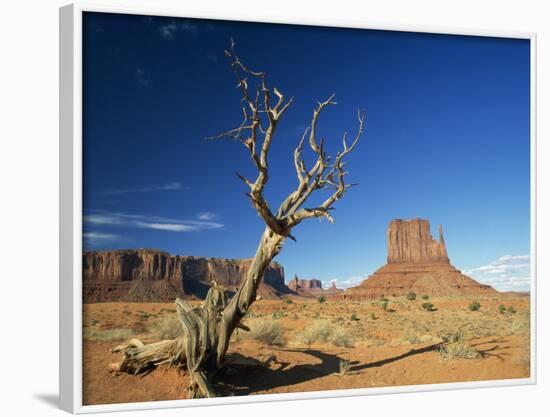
x=309, y=345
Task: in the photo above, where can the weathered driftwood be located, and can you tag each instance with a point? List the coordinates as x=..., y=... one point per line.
x=208, y=328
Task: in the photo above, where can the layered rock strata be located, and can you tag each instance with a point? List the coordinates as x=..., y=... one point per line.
x=144, y=275
x=418, y=263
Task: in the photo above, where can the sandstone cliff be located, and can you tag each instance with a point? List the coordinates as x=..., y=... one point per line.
x=416, y=262
x=152, y=275
x=411, y=242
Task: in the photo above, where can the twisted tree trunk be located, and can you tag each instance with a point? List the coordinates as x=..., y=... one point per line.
x=207, y=328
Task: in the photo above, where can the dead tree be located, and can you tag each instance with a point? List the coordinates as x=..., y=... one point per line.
x=207, y=329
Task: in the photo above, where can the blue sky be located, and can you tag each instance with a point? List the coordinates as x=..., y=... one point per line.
x=447, y=139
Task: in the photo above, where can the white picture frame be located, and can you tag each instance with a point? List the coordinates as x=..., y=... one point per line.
x=70, y=286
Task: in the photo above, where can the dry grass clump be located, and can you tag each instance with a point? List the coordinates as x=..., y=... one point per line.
x=323, y=331
x=270, y=332
x=457, y=347
x=524, y=358
x=414, y=336
x=520, y=324
x=166, y=328
x=340, y=337
x=344, y=366
x=108, y=335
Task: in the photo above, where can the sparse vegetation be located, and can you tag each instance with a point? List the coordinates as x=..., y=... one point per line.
x=108, y=335
x=511, y=310
x=277, y=315
x=373, y=316
x=474, y=306
x=344, y=366
x=425, y=297
x=322, y=299
x=354, y=317
x=289, y=301
x=322, y=331
x=168, y=327
x=384, y=304
x=341, y=337
x=501, y=309
x=266, y=331
x=411, y=296
x=428, y=306
x=456, y=347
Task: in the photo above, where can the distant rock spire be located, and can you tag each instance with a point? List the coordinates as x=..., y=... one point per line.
x=442, y=247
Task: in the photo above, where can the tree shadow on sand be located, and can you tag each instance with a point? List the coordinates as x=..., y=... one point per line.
x=282, y=374
x=267, y=378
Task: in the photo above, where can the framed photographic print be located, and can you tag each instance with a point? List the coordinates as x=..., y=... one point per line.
x=279, y=210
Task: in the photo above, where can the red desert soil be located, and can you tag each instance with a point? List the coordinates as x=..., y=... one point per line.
x=400, y=346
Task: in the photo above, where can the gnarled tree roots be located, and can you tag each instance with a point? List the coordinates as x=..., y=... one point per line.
x=201, y=349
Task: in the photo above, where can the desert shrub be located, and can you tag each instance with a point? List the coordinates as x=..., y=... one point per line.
x=452, y=336
x=373, y=316
x=383, y=298
x=344, y=366
x=322, y=331
x=501, y=309
x=166, y=328
x=322, y=299
x=319, y=331
x=277, y=315
x=425, y=297
x=354, y=317
x=411, y=296
x=265, y=331
x=341, y=337
x=384, y=305
x=474, y=306
x=511, y=310
x=428, y=306
x=108, y=335
x=289, y=301
x=520, y=324
x=457, y=347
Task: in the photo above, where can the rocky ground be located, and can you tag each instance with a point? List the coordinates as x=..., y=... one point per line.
x=314, y=346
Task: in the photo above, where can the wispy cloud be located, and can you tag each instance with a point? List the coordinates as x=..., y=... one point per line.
x=149, y=222
x=166, y=187
x=507, y=273
x=141, y=78
x=99, y=237
x=169, y=30
x=207, y=215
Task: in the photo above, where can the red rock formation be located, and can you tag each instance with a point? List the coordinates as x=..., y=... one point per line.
x=411, y=242
x=149, y=275
x=311, y=287
x=416, y=262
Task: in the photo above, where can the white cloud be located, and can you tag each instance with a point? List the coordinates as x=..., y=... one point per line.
x=149, y=222
x=507, y=273
x=345, y=282
x=99, y=237
x=207, y=215
x=166, y=187
x=169, y=30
